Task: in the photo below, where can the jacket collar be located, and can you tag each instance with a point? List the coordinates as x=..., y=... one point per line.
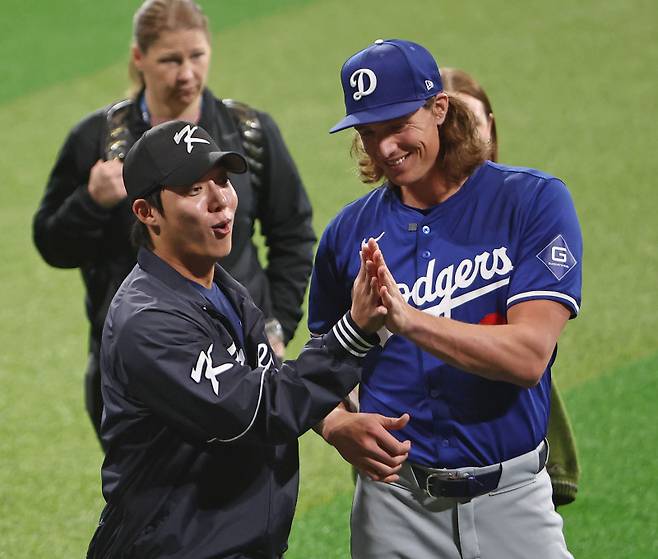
x=208, y=110
x=206, y=120
x=154, y=265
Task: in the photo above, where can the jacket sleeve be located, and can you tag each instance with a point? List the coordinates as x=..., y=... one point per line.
x=68, y=224
x=205, y=391
x=285, y=214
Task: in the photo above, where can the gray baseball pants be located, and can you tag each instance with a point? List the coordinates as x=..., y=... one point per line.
x=517, y=520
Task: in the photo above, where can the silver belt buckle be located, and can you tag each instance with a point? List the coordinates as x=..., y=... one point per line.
x=445, y=476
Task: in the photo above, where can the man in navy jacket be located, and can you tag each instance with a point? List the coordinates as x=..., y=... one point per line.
x=200, y=420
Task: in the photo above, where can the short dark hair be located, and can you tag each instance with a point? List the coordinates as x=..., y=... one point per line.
x=140, y=235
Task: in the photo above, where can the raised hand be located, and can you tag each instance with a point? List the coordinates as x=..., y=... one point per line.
x=364, y=440
x=106, y=183
x=397, y=317
x=368, y=250
x=367, y=309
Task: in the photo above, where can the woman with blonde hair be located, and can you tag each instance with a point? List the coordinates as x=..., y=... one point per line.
x=84, y=220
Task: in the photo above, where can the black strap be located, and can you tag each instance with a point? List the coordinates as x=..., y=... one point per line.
x=117, y=138
x=252, y=137
x=467, y=487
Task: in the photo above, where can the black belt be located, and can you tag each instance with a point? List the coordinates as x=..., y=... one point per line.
x=463, y=485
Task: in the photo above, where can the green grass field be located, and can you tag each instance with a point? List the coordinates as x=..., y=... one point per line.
x=574, y=89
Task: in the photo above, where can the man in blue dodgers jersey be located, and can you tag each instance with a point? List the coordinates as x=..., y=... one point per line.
x=200, y=420
x=487, y=261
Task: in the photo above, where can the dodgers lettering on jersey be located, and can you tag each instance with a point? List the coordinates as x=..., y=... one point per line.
x=509, y=235
x=444, y=284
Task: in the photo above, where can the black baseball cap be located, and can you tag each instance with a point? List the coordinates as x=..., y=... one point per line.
x=175, y=153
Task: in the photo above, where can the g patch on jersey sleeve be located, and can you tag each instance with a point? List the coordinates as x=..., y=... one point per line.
x=557, y=257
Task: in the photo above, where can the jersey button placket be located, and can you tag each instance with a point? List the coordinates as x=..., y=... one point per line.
x=424, y=246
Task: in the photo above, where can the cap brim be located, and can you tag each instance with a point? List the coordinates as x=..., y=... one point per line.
x=378, y=114
x=198, y=165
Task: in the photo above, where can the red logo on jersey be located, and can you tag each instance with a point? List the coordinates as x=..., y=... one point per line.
x=493, y=318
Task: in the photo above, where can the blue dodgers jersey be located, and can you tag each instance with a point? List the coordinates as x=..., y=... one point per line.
x=508, y=235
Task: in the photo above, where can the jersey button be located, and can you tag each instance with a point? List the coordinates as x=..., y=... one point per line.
x=426, y=254
x=426, y=229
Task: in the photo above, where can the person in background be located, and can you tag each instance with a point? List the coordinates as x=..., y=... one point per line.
x=460, y=84
x=482, y=272
x=84, y=218
x=562, y=466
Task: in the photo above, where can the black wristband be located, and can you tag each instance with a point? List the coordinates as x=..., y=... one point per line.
x=352, y=338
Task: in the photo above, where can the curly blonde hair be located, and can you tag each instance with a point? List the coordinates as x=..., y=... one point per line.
x=461, y=149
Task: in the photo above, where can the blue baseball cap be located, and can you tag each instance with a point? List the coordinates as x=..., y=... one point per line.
x=389, y=79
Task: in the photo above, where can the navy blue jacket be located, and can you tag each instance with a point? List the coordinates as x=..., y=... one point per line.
x=201, y=434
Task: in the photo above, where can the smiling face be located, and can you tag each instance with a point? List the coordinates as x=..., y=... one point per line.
x=194, y=229
x=406, y=149
x=174, y=69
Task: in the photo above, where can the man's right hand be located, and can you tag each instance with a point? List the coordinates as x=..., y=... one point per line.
x=367, y=309
x=363, y=439
x=106, y=186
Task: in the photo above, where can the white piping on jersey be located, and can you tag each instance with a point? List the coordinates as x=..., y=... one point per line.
x=555, y=294
x=263, y=353
x=260, y=397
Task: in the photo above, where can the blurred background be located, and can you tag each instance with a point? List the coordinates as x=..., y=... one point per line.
x=573, y=86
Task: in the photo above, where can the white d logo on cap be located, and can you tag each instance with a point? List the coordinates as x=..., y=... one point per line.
x=185, y=134
x=356, y=80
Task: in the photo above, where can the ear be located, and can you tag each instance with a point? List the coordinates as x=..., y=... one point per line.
x=440, y=108
x=146, y=213
x=137, y=56
x=490, y=124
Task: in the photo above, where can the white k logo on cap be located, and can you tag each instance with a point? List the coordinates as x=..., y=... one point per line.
x=185, y=134
x=356, y=80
